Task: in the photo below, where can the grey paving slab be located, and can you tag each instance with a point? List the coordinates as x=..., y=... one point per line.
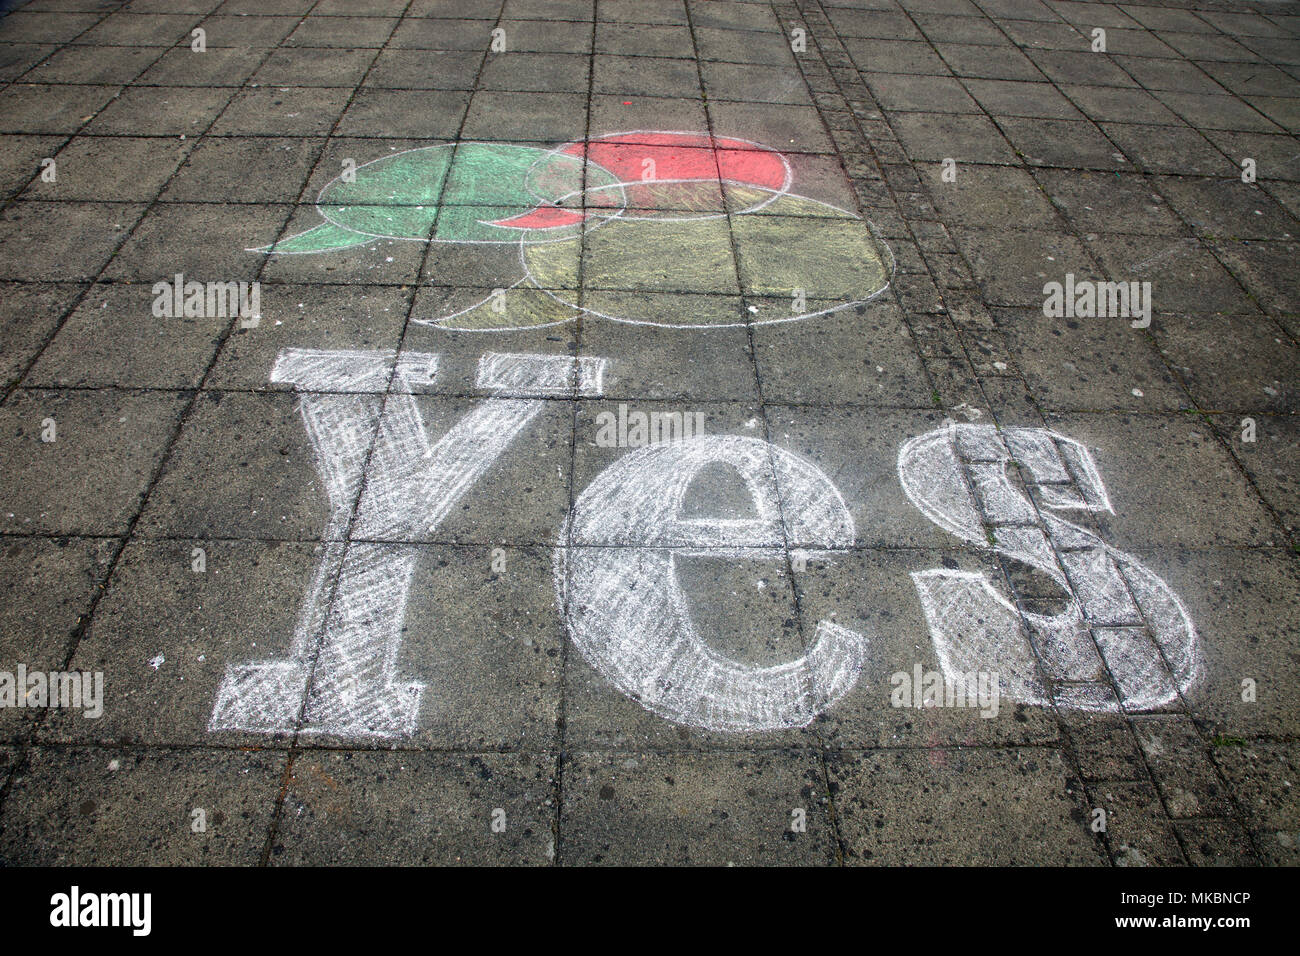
x=1179, y=459
x=1093, y=364
x=216, y=245
x=49, y=587
x=164, y=634
x=958, y=806
x=403, y=808
x=114, y=807
x=91, y=478
x=872, y=592
x=866, y=359
x=1263, y=774
x=22, y=159
x=1135, y=826
x=31, y=313
x=1250, y=372
x=1216, y=844
x=312, y=317
x=76, y=244
x=112, y=168
x=702, y=809
x=112, y=339
x=266, y=485
x=1268, y=460
x=1243, y=613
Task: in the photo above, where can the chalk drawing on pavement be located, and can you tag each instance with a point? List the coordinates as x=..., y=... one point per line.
x=636, y=213
x=617, y=586
x=340, y=677
x=1120, y=618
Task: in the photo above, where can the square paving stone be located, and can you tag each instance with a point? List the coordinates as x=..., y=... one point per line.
x=871, y=592
x=1170, y=481
x=1184, y=276
x=960, y=806
x=1260, y=267
x=971, y=59
x=160, y=111
x=241, y=468
x=438, y=809
x=29, y=313
x=309, y=68
x=781, y=127
x=1217, y=112
x=63, y=240
x=207, y=242
x=549, y=117
x=79, y=64
x=164, y=634
x=1136, y=826
x=310, y=317
x=652, y=76
x=1013, y=98
x=736, y=81
x=424, y=70
x=740, y=46
x=244, y=29
x=984, y=194
x=1179, y=761
x=143, y=29
x=48, y=586
x=1089, y=364
x=423, y=114
x=540, y=72
x=1110, y=203
x=218, y=66
x=1169, y=149
x=1014, y=265
x=1061, y=143
x=112, y=168
x=860, y=356
x=1243, y=362
x=18, y=58
x=282, y=111
x=91, y=478
x=100, y=807
x=354, y=32
x=1265, y=775
x=1244, y=607
x=967, y=139
x=901, y=91
x=20, y=159
x=113, y=339
x=258, y=169
x=1270, y=459
x=1216, y=843
x=702, y=809
x=394, y=262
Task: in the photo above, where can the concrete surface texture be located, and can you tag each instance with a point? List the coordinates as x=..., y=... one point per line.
x=567, y=432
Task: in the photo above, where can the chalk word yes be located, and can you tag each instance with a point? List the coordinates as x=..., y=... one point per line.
x=370, y=441
x=616, y=560
x=1119, y=616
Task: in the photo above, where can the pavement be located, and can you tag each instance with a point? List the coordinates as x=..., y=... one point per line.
x=376, y=571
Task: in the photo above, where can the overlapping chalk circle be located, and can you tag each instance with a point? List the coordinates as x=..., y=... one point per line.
x=628, y=227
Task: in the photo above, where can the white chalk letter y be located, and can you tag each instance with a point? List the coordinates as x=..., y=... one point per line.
x=344, y=654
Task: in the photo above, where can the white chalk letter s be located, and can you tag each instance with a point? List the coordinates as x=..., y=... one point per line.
x=1119, y=617
x=617, y=585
